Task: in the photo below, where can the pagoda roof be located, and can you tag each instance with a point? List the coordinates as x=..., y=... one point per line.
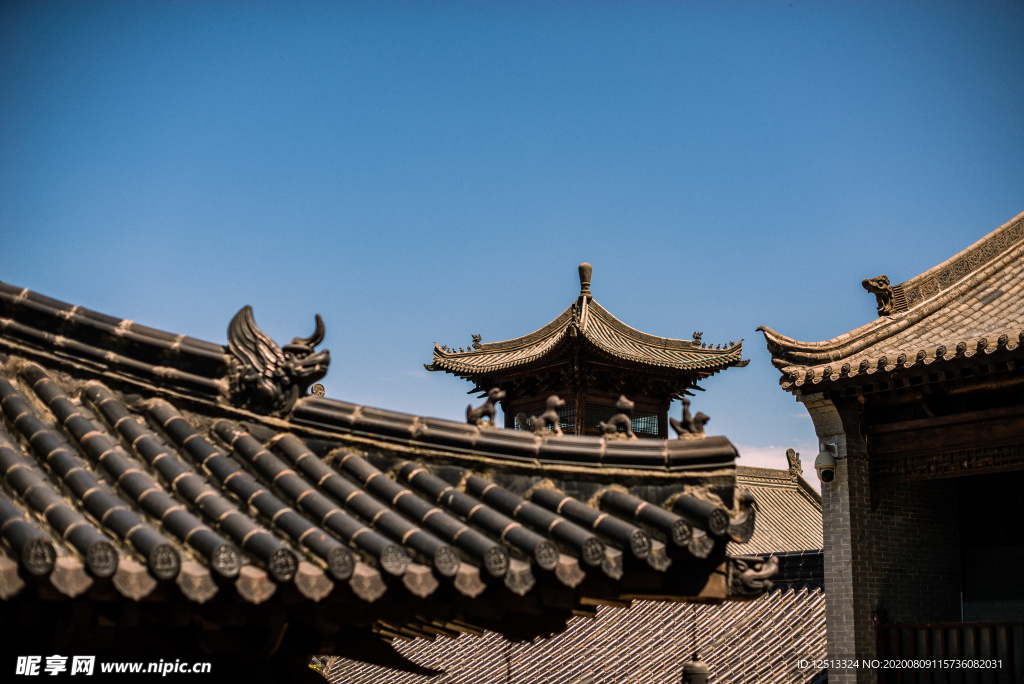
x=139, y=465
x=971, y=305
x=587, y=321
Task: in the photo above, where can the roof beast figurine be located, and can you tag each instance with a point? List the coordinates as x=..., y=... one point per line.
x=266, y=378
x=475, y=416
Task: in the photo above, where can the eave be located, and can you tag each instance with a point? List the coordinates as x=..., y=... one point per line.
x=587, y=321
x=968, y=306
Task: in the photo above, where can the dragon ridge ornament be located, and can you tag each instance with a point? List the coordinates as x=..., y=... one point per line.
x=263, y=377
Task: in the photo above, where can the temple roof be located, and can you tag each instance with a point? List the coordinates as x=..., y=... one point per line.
x=154, y=467
x=788, y=510
x=586, y=321
x=970, y=305
x=648, y=641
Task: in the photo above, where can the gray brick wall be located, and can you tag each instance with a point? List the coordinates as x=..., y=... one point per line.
x=918, y=551
x=850, y=592
x=897, y=549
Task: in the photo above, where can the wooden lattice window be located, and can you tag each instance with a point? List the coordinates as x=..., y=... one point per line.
x=566, y=418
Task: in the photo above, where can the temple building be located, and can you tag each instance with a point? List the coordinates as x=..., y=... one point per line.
x=168, y=497
x=590, y=360
x=920, y=418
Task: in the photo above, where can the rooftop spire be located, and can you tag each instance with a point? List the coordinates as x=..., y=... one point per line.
x=586, y=270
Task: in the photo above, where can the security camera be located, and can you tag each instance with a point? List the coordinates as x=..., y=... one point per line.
x=825, y=463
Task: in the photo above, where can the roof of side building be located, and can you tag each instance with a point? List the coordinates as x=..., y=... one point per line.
x=971, y=304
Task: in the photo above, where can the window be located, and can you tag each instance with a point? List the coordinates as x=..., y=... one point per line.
x=566, y=418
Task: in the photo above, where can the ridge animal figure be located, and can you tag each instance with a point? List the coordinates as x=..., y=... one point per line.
x=619, y=420
x=549, y=419
x=752, y=575
x=475, y=416
x=880, y=287
x=690, y=426
x=265, y=377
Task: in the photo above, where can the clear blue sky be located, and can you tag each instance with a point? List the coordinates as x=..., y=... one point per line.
x=417, y=172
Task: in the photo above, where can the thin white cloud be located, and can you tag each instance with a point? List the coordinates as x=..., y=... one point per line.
x=770, y=456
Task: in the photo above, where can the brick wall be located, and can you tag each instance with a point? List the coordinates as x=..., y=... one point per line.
x=850, y=590
x=917, y=551
x=897, y=549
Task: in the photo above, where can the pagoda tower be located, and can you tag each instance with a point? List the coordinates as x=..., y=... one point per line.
x=589, y=358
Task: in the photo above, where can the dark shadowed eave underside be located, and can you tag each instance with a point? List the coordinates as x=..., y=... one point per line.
x=970, y=305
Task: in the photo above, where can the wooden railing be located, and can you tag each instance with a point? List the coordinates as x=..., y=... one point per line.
x=951, y=653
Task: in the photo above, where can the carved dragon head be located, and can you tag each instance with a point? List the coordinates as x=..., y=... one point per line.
x=880, y=287
x=750, y=576
x=266, y=378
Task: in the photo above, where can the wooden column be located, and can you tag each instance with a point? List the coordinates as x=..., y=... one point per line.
x=580, y=412
x=663, y=418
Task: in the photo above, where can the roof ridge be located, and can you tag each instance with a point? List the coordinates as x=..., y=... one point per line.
x=761, y=471
x=965, y=262
x=612, y=321
x=705, y=355
x=963, y=277
x=777, y=478
x=560, y=322
x=68, y=314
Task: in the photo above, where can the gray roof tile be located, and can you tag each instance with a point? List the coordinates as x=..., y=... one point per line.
x=133, y=469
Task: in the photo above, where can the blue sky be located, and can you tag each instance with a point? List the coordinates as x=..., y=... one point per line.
x=417, y=172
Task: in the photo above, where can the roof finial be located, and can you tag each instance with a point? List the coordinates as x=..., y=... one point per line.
x=586, y=270
x=795, y=469
x=880, y=287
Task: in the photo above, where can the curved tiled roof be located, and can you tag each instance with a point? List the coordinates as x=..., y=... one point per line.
x=589, y=322
x=197, y=499
x=972, y=303
x=150, y=466
x=648, y=642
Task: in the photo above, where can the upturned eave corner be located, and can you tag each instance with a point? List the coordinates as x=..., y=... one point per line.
x=586, y=322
